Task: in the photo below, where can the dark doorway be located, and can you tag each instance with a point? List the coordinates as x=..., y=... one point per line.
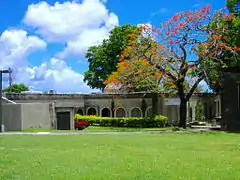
x=120, y=112
x=92, y=112
x=106, y=112
x=80, y=112
x=63, y=120
x=190, y=114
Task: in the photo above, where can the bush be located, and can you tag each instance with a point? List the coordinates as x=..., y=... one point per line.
x=149, y=122
x=199, y=111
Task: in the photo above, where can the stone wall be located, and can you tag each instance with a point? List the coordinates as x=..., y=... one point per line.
x=12, y=117
x=127, y=105
x=36, y=115
x=17, y=117
x=231, y=99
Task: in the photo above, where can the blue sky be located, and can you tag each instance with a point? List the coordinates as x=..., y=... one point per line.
x=45, y=41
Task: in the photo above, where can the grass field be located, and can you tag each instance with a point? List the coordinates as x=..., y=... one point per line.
x=198, y=156
x=100, y=129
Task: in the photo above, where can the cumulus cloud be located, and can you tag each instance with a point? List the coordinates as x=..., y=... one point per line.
x=16, y=45
x=87, y=38
x=74, y=24
x=79, y=25
x=56, y=74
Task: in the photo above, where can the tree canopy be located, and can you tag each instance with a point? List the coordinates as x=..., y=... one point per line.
x=231, y=38
x=16, y=88
x=174, y=54
x=234, y=6
x=103, y=58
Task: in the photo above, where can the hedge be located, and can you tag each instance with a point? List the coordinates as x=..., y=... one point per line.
x=149, y=122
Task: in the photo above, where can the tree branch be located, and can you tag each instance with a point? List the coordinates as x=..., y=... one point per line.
x=194, y=87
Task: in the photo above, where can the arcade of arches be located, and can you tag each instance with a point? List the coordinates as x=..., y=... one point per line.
x=119, y=112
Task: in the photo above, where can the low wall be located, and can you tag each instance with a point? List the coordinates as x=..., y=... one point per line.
x=36, y=115
x=17, y=117
x=12, y=117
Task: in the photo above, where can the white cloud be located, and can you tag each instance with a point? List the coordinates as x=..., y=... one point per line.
x=15, y=46
x=55, y=74
x=80, y=25
x=80, y=45
x=148, y=30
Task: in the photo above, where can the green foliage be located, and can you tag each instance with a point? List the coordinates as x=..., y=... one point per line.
x=150, y=122
x=16, y=88
x=199, y=111
x=233, y=6
x=177, y=129
x=103, y=59
x=212, y=68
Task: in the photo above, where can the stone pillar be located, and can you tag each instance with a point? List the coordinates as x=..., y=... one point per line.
x=53, y=115
x=188, y=106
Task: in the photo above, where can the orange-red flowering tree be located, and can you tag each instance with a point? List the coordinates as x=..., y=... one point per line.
x=171, y=56
x=231, y=35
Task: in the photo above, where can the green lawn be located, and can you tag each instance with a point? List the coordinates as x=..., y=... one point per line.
x=100, y=129
x=201, y=156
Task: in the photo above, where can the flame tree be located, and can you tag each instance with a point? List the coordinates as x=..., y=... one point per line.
x=171, y=56
x=232, y=38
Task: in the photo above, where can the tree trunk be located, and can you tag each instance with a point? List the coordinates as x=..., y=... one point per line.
x=154, y=103
x=183, y=113
x=143, y=107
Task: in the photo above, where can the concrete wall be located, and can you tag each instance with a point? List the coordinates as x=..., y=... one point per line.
x=36, y=115
x=172, y=112
x=60, y=100
x=231, y=99
x=46, y=106
x=12, y=117
x=126, y=103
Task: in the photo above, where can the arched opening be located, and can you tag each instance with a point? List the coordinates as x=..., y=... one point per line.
x=149, y=112
x=136, y=112
x=91, y=112
x=106, y=112
x=120, y=112
x=80, y=112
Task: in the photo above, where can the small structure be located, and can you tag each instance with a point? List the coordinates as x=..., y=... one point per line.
x=57, y=111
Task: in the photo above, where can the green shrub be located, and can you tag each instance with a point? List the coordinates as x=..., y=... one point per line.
x=199, y=111
x=176, y=129
x=157, y=121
